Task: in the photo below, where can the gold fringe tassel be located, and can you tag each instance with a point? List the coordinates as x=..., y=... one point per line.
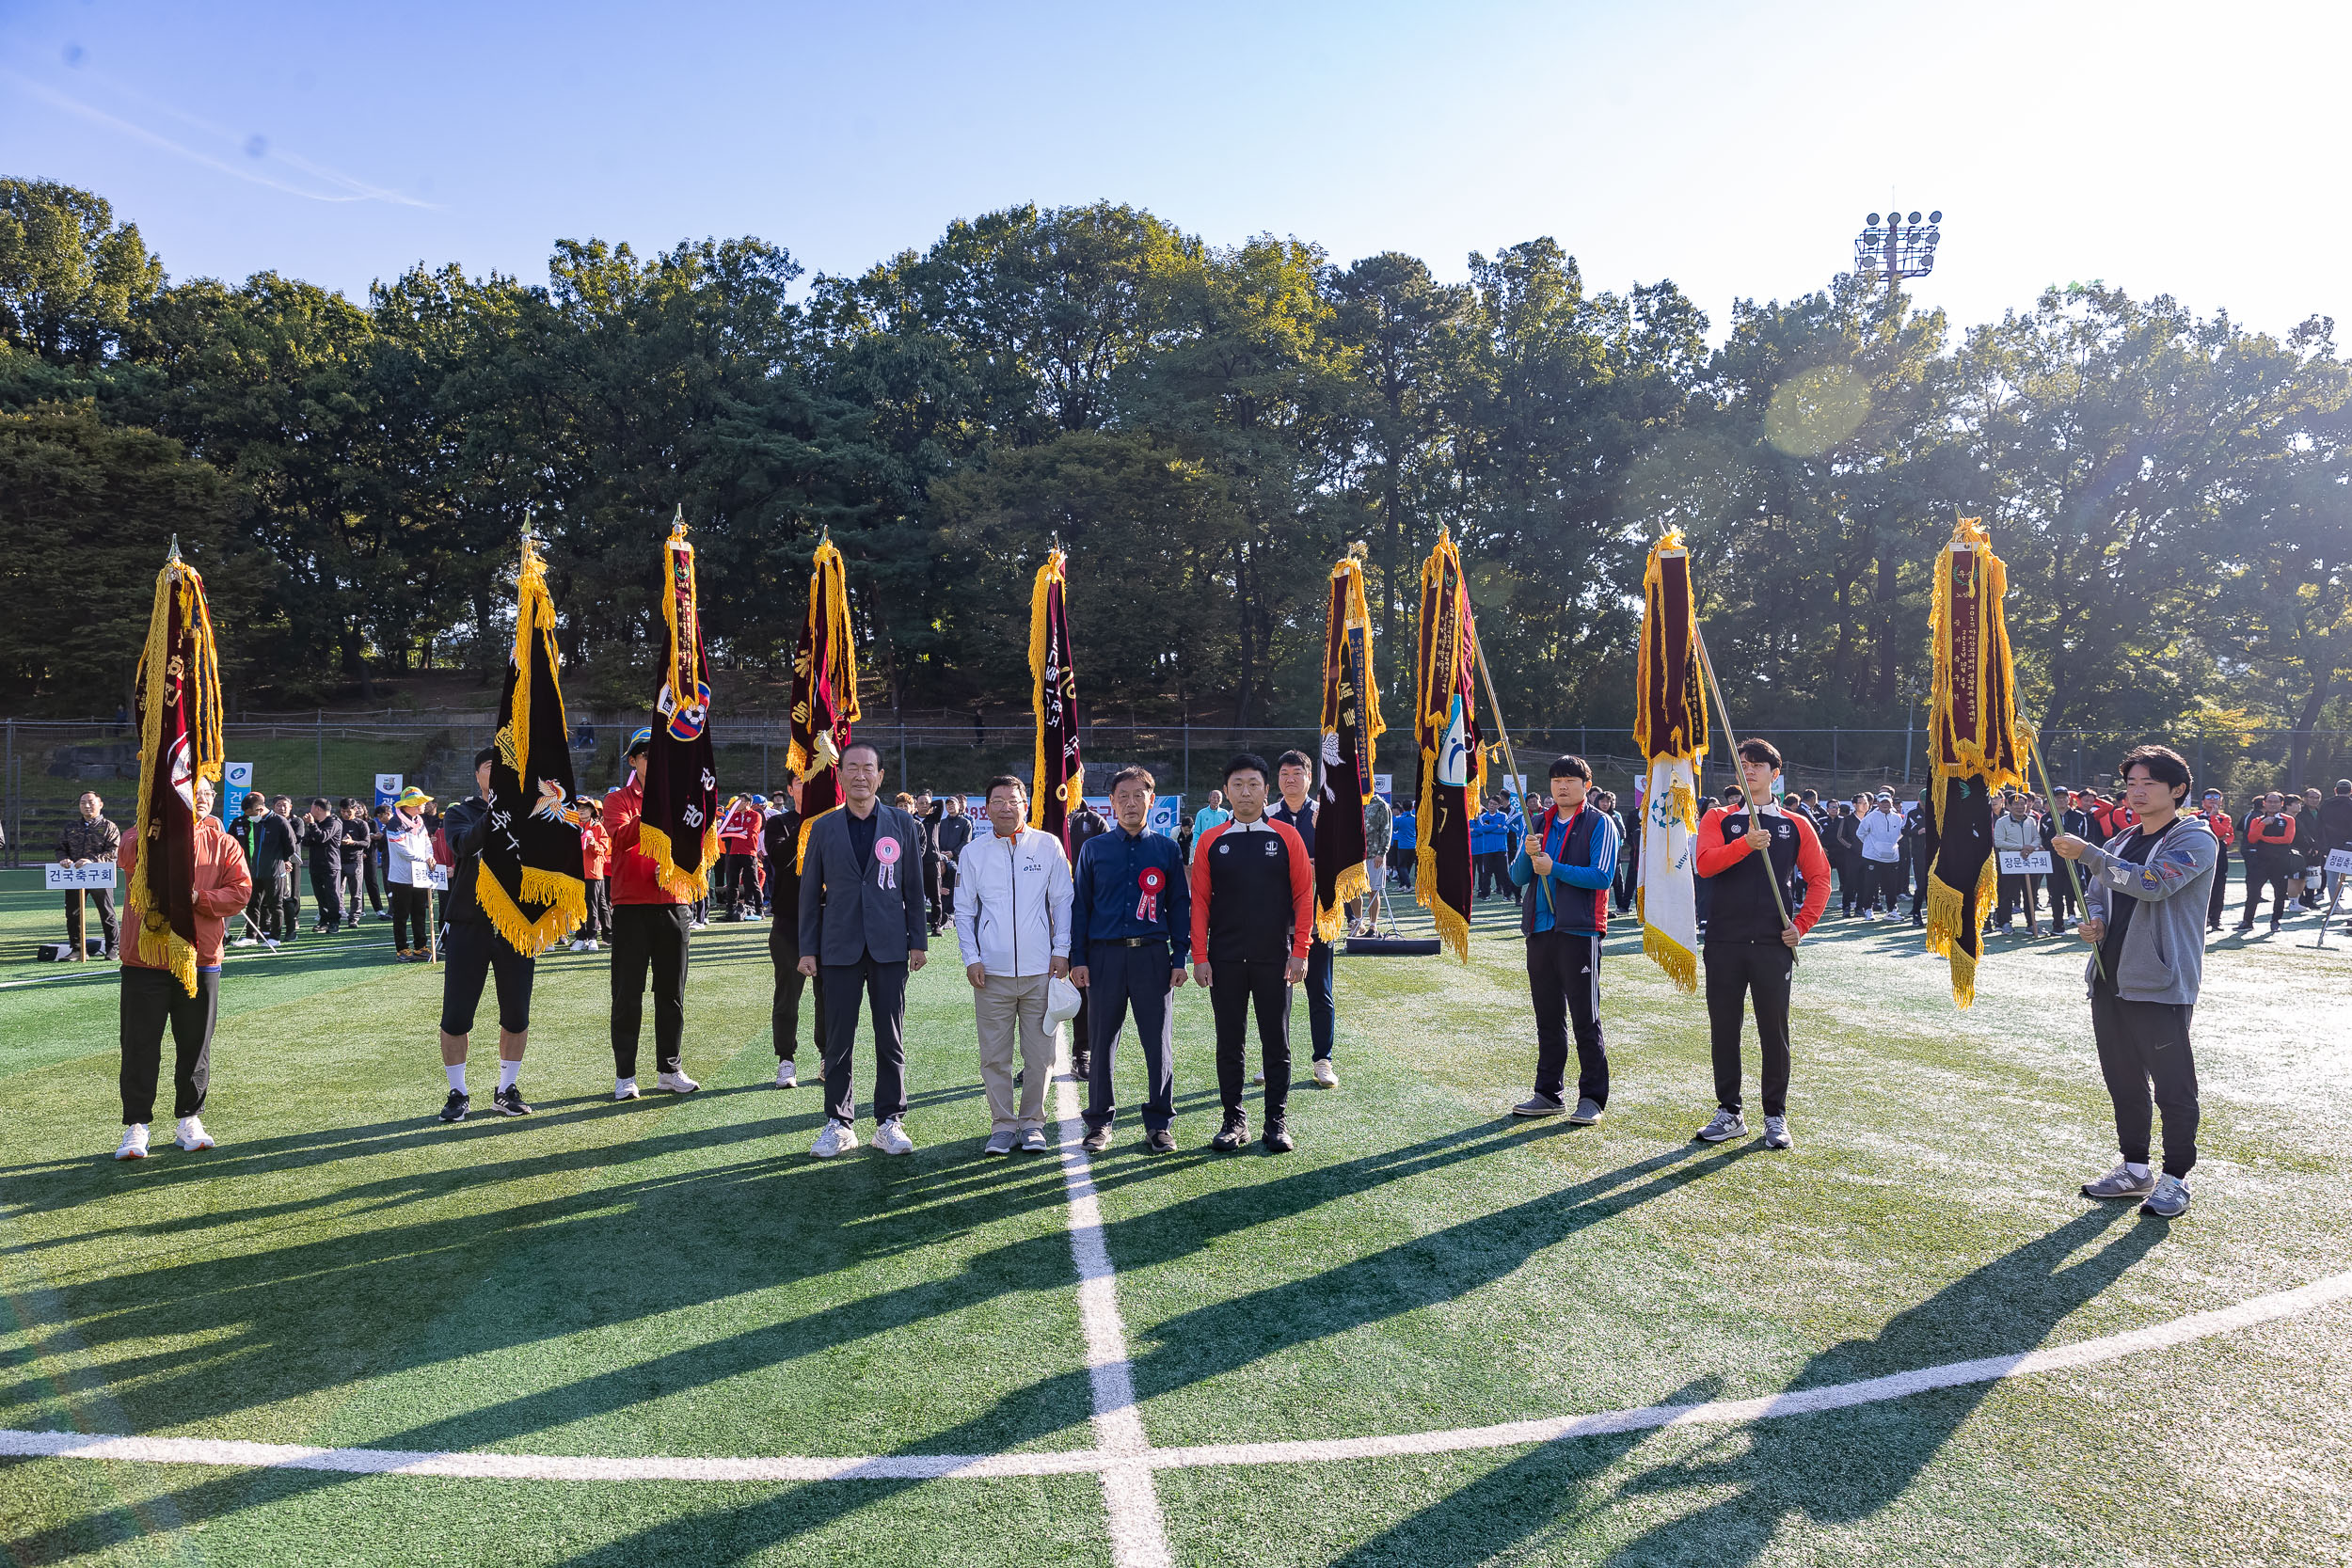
x=566, y=901
x=684, y=886
x=1332, y=924
x=1680, y=964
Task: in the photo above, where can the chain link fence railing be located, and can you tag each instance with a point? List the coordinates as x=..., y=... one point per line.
x=45, y=764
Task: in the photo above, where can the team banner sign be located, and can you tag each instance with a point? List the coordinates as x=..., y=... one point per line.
x=1972, y=748
x=1670, y=729
x=824, y=690
x=679, y=829
x=1351, y=724
x=532, y=883
x=1452, y=757
x=176, y=706
x=1060, y=780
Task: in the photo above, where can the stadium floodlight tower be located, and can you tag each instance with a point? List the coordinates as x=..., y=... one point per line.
x=1899, y=248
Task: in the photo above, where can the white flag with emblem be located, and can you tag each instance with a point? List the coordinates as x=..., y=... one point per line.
x=1669, y=893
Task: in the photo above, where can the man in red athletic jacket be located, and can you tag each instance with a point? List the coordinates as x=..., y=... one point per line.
x=1751, y=946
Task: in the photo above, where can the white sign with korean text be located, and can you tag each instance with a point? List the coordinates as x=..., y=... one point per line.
x=98, y=874
x=2339, y=863
x=2015, y=863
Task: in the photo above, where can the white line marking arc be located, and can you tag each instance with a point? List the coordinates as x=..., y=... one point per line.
x=528, y=1467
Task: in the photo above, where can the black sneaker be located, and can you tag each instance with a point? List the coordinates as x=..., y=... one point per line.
x=1096, y=1141
x=509, y=1101
x=1234, y=1134
x=455, y=1108
x=1079, y=1062
x=1278, y=1138
x=1161, y=1142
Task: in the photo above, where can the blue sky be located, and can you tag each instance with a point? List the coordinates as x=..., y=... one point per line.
x=2189, y=149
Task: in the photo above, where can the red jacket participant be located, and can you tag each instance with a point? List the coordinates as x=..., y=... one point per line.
x=649, y=931
x=1254, y=914
x=1751, y=949
x=152, y=996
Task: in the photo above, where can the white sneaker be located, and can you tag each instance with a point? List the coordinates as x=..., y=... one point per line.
x=192, y=1134
x=595, y=947
x=838, y=1137
x=675, y=1082
x=270, y=942
x=625, y=1088
x=580, y=947
x=788, y=1076
x=134, y=1142
x=891, y=1137
x=245, y=941
x=1325, y=1077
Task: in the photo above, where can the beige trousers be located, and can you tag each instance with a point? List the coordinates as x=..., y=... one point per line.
x=1011, y=1017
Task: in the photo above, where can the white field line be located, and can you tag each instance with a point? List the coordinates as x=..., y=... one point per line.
x=1138, y=1534
x=1107, y=1460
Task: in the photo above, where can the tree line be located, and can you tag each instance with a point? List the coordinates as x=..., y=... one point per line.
x=1204, y=428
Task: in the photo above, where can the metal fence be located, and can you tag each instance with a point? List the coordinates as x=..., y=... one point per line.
x=46, y=763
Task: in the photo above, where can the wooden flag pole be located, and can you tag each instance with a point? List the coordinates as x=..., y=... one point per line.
x=1502, y=734
x=1731, y=739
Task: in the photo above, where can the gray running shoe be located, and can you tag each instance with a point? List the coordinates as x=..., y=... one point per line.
x=1586, y=1113
x=1096, y=1141
x=1726, y=1125
x=1538, y=1105
x=2120, y=1184
x=1000, y=1143
x=1776, y=1133
x=1033, y=1141
x=2169, y=1201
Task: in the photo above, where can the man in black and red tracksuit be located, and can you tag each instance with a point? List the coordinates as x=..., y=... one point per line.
x=1752, y=936
x=1564, y=871
x=1293, y=775
x=649, y=934
x=1253, y=913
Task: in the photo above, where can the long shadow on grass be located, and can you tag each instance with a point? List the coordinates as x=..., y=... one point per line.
x=1834, y=1468
x=1232, y=1334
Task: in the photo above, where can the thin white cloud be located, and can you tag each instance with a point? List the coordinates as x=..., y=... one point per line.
x=343, y=188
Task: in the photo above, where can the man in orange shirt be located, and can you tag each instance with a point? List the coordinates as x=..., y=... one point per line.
x=153, y=996
x=1744, y=853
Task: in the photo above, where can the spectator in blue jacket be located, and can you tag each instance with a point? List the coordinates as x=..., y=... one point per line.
x=1405, y=844
x=1491, y=849
x=1563, y=874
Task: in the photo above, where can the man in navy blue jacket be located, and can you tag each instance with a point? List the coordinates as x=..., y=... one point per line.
x=1129, y=922
x=1564, y=871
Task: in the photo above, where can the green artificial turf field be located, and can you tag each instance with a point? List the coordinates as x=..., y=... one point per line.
x=675, y=1278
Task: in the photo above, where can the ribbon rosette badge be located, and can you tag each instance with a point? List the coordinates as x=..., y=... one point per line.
x=886, y=860
x=1149, y=882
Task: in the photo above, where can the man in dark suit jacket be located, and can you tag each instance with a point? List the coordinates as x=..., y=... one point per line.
x=864, y=923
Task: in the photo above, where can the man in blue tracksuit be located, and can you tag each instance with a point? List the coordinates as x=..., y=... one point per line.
x=1490, y=838
x=1564, y=871
x=1130, y=921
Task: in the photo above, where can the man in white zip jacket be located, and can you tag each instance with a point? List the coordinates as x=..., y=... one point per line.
x=1881, y=833
x=1012, y=921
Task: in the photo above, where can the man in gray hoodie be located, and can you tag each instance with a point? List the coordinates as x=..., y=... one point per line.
x=2144, y=909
